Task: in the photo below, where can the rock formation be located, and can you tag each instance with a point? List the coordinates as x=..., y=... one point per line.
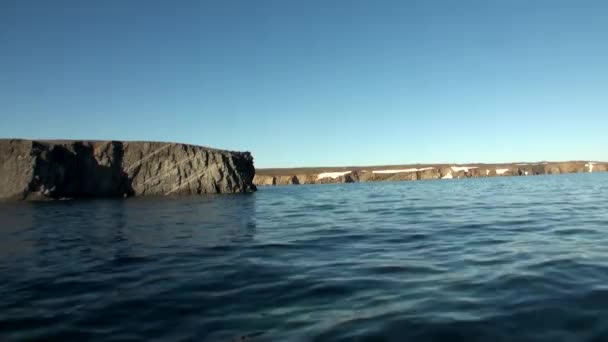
x=35, y=170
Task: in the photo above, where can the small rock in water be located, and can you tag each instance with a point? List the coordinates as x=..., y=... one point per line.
x=247, y=337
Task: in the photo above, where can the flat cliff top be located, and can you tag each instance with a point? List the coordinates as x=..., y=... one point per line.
x=318, y=170
x=97, y=142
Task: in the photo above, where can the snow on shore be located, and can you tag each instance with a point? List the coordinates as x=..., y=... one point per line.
x=332, y=175
x=590, y=166
x=403, y=170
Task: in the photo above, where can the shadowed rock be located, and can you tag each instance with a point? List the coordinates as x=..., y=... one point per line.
x=36, y=170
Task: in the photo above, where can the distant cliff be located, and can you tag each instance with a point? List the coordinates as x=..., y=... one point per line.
x=35, y=170
x=418, y=172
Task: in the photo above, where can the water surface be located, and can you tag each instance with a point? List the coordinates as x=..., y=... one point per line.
x=495, y=259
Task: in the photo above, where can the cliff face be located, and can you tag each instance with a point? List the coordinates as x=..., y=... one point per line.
x=417, y=172
x=35, y=170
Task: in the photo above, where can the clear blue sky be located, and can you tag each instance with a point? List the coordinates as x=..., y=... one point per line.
x=305, y=83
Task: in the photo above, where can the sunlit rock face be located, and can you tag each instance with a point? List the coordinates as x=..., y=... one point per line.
x=421, y=172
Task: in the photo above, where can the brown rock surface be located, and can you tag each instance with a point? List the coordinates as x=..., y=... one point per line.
x=429, y=174
x=306, y=179
x=287, y=180
x=600, y=168
x=429, y=171
x=261, y=180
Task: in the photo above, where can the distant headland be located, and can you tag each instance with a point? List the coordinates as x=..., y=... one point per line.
x=321, y=175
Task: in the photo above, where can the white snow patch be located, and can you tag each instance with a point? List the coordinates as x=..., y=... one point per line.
x=403, y=170
x=463, y=168
x=448, y=176
x=590, y=166
x=501, y=171
x=332, y=175
x=523, y=164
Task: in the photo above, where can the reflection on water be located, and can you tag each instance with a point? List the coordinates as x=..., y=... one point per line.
x=511, y=259
x=133, y=227
x=15, y=225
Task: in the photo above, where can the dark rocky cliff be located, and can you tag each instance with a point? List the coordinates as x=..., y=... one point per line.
x=35, y=170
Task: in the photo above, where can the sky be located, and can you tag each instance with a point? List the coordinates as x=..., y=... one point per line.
x=316, y=82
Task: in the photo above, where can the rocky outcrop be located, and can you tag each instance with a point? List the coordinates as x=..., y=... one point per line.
x=420, y=172
x=347, y=178
x=35, y=170
x=262, y=180
x=428, y=174
x=287, y=180
x=307, y=179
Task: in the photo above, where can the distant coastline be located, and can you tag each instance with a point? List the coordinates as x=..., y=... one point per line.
x=411, y=172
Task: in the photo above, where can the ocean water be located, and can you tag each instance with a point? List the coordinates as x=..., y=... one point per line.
x=495, y=259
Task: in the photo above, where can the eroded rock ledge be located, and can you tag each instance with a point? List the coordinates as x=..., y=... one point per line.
x=35, y=170
x=419, y=172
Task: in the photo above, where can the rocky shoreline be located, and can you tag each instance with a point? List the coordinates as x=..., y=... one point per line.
x=40, y=170
x=269, y=177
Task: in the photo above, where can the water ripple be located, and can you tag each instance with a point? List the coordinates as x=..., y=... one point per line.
x=500, y=259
